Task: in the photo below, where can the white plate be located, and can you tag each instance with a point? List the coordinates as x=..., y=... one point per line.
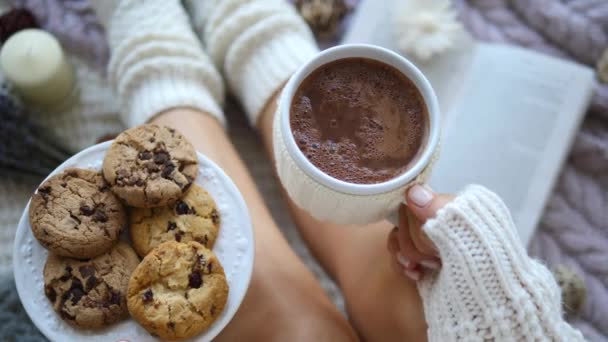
x=234, y=247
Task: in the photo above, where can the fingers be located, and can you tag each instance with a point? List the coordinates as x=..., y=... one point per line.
x=422, y=243
x=392, y=244
x=408, y=245
x=398, y=263
x=424, y=203
x=410, y=255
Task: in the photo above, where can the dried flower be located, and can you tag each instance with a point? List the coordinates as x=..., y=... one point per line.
x=425, y=28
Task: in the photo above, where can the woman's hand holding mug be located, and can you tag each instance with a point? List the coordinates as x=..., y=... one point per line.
x=410, y=248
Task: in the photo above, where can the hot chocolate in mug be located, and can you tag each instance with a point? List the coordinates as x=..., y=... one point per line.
x=334, y=200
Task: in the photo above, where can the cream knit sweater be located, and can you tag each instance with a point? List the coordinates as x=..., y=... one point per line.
x=487, y=289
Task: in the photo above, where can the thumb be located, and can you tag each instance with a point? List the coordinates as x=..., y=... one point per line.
x=424, y=203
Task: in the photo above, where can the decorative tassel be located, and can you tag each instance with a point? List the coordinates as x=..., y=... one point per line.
x=574, y=291
x=425, y=28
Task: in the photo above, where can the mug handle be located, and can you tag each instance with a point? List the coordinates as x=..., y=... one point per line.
x=393, y=216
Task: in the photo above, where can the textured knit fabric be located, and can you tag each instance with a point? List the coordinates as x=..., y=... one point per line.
x=157, y=62
x=488, y=288
x=258, y=44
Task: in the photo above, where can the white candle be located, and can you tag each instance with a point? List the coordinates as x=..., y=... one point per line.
x=34, y=62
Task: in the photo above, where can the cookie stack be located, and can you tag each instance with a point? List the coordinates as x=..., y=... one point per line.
x=93, y=278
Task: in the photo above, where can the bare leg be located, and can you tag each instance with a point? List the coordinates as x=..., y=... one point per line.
x=382, y=305
x=284, y=301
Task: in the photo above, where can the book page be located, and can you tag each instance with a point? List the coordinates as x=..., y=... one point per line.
x=512, y=128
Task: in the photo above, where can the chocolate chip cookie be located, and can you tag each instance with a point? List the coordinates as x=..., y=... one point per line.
x=90, y=294
x=74, y=214
x=150, y=166
x=178, y=290
x=192, y=218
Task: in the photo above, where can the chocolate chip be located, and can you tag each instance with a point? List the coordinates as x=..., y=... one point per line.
x=91, y=283
x=145, y=155
x=202, y=241
x=178, y=236
x=44, y=192
x=210, y=267
x=161, y=157
x=171, y=130
x=86, y=271
x=215, y=217
x=86, y=210
x=182, y=208
x=152, y=140
x=212, y=310
x=45, y=189
x=195, y=280
x=140, y=182
x=171, y=226
x=67, y=275
x=171, y=325
x=115, y=298
x=104, y=188
x=148, y=296
x=76, y=291
x=100, y=216
x=66, y=315
x=50, y=293
x=167, y=171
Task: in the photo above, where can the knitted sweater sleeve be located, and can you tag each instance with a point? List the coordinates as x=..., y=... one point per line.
x=488, y=287
x=157, y=62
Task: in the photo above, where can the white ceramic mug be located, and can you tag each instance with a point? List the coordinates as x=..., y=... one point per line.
x=334, y=200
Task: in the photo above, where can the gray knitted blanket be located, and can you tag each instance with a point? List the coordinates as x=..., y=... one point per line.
x=574, y=228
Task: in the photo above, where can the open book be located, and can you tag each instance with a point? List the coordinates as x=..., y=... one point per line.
x=509, y=114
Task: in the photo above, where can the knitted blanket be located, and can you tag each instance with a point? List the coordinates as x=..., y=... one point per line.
x=574, y=228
